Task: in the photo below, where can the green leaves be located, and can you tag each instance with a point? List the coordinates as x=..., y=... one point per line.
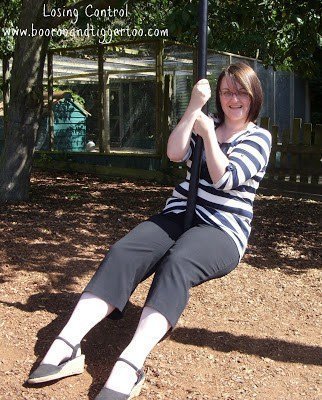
x=285, y=32
x=9, y=14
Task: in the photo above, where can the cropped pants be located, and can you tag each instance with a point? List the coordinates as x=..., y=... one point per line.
x=178, y=259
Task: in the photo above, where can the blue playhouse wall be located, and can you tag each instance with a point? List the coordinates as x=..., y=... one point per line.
x=69, y=127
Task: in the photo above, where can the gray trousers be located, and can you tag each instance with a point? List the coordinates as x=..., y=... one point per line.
x=180, y=260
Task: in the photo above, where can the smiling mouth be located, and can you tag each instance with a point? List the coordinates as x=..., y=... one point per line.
x=235, y=107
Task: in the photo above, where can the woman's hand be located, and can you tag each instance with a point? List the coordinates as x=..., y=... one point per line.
x=216, y=160
x=201, y=93
x=179, y=140
x=204, y=126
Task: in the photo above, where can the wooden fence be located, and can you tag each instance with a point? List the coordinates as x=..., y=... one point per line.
x=296, y=154
x=295, y=161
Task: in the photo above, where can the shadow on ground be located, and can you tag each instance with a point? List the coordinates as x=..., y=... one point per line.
x=101, y=346
x=71, y=220
x=274, y=349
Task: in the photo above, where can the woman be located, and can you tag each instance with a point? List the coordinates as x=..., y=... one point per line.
x=235, y=157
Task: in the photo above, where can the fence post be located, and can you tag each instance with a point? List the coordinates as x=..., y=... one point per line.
x=160, y=114
x=318, y=135
x=273, y=161
x=284, y=153
x=307, y=134
x=265, y=122
x=295, y=157
x=103, y=144
x=297, y=126
x=50, y=74
x=305, y=159
x=316, y=162
x=106, y=134
x=6, y=92
x=292, y=79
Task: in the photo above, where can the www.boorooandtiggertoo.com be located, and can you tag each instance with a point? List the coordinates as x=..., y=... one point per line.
x=105, y=35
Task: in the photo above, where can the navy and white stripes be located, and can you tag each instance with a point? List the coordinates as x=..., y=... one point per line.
x=228, y=203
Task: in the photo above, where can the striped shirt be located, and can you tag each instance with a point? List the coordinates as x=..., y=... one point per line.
x=228, y=204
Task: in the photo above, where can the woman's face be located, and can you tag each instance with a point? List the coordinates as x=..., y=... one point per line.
x=235, y=101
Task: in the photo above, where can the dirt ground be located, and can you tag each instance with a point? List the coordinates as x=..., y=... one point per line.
x=254, y=334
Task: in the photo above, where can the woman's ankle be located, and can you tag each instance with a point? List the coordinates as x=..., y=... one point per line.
x=58, y=352
x=122, y=378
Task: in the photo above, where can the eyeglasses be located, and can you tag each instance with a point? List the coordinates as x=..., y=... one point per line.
x=227, y=94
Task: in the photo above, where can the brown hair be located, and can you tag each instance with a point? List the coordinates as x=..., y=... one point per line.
x=248, y=79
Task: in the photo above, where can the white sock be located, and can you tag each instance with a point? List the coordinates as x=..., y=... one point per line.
x=151, y=329
x=89, y=311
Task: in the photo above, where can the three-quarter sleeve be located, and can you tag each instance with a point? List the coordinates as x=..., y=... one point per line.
x=247, y=158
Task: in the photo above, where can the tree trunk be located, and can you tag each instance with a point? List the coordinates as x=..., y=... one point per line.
x=25, y=107
x=26, y=97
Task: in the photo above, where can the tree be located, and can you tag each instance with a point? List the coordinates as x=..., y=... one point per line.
x=282, y=33
x=26, y=95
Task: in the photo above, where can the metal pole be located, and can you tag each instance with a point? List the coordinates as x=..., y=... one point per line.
x=201, y=74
